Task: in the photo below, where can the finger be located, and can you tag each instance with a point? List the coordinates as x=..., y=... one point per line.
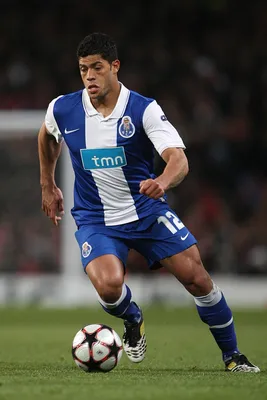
x=156, y=194
x=56, y=220
x=52, y=211
x=146, y=182
x=46, y=211
x=61, y=206
x=145, y=186
x=142, y=190
x=141, y=185
x=44, y=208
x=150, y=188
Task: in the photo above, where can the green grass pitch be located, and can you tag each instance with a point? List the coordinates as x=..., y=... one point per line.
x=182, y=360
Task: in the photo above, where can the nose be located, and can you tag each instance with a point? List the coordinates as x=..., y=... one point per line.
x=90, y=75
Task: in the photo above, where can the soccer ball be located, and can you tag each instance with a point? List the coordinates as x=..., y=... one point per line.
x=96, y=348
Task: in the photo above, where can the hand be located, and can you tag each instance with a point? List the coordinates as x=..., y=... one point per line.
x=151, y=188
x=52, y=203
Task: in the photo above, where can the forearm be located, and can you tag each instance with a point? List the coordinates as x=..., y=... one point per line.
x=49, y=151
x=175, y=171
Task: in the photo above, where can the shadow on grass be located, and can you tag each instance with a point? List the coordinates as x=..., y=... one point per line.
x=168, y=371
x=57, y=369
x=180, y=371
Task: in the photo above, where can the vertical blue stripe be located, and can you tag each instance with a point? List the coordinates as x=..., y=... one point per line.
x=138, y=148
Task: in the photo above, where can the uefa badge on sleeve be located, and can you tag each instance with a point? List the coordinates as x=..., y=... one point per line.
x=86, y=249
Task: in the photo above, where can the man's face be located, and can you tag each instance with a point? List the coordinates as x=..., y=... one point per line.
x=98, y=75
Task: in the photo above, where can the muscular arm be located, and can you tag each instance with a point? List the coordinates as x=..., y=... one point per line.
x=52, y=198
x=49, y=151
x=174, y=172
x=169, y=145
x=176, y=168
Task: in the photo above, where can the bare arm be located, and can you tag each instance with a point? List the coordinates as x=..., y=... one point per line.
x=49, y=151
x=175, y=171
x=52, y=198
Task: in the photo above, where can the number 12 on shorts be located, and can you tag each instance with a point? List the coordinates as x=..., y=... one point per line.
x=171, y=221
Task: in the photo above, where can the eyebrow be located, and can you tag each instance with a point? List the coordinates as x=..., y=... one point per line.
x=91, y=65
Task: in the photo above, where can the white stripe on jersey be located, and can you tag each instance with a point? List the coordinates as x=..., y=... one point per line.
x=50, y=122
x=111, y=184
x=160, y=131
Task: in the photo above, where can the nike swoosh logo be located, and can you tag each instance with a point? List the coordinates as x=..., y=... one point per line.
x=184, y=237
x=73, y=130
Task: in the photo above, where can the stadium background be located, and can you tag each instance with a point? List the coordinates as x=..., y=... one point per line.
x=206, y=64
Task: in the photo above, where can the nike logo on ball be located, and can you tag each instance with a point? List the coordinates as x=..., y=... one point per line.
x=73, y=130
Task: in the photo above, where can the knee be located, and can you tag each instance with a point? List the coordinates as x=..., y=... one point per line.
x=109, y=290
x=201, y=284
x=107, y=275
x=198, y=282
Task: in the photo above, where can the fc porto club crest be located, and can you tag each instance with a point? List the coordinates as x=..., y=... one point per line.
x=86, y=249
x=126, y=128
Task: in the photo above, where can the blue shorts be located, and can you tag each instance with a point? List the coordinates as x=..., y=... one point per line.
x=156, y=237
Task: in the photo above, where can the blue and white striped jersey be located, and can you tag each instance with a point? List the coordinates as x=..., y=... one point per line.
x=111, y=155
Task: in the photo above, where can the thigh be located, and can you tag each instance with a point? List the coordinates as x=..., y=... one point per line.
x=186, y=266
x=93, y=245
x=165, y=237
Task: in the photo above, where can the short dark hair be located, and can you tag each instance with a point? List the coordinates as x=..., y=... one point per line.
x=98, y=43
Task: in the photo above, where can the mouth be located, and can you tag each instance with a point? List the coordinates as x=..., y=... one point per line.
x=92, y=89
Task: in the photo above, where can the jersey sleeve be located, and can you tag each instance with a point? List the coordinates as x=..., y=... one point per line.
x=51, y=123
x=159, y=130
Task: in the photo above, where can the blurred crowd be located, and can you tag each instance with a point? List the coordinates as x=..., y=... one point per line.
x=28, y=241
x=205, y=62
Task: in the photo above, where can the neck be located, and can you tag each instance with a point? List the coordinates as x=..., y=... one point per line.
x=107, y=103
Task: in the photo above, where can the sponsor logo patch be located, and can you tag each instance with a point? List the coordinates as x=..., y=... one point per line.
x=113, y=157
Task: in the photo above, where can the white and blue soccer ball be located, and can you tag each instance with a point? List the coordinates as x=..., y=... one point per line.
x=96, y=348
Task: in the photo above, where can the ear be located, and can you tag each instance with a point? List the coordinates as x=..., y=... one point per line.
x=115, y=65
